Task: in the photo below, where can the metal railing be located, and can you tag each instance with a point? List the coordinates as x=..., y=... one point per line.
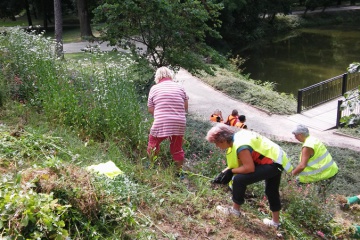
x=327, y=90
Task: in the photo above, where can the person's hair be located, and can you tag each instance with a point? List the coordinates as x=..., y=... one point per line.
x=163, y=72
x=220, y=132
x=234, y=112
x=301, y=129
x=242, y=118
x=217, y=112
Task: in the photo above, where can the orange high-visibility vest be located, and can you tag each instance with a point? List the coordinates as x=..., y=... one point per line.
x=215, y=118
x=240, y=125
x=232, y=120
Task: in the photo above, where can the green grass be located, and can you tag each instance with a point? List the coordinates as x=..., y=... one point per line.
x=252, y=92
x=80, y=56
x=163, y=199
x=353, y=132
x=59, y=129
x=71, y=28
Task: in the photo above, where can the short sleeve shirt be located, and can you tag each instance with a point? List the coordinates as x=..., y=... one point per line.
x=168, y=100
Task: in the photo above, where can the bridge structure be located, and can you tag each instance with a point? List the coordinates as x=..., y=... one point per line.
x=322, y=105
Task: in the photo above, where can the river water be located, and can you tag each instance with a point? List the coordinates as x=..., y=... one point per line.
x=304, y=57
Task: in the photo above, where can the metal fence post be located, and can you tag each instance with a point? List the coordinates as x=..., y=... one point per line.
x=344, y=84
x=338, y=116
x=299, y=99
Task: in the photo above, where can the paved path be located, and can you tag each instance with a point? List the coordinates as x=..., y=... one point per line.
x=204, y=100
x=80, y=46
x=329, y=9
x=322, y=117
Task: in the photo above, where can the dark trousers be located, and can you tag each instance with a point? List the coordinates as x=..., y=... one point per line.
x=271, y=173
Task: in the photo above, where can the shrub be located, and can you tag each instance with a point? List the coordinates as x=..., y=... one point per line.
x=97, y=98
x=27, y=214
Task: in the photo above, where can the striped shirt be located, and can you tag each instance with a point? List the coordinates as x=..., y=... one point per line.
x=168, y=100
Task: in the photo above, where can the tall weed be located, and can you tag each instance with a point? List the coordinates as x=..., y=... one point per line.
x=94, y=97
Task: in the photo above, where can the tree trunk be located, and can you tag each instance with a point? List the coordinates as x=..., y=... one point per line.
x=84, y=19
x=306, y=9
x=28, y=12
x=58, y=28
x=45, y=13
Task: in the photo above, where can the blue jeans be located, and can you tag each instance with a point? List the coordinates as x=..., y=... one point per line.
x=271, y=173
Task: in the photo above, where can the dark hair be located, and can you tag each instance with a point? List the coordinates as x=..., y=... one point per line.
x=234, y=112
x=242, y=118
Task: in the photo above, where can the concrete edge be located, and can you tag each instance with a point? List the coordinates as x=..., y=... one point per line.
x=345, y=135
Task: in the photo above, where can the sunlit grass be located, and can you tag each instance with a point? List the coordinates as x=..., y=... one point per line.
x=250, y=91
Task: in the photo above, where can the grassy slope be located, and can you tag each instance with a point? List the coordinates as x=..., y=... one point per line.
x=242, y=88
x=174, y=209
x=182, y=209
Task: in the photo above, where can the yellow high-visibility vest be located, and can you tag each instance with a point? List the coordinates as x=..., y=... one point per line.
x=320, y=166
x=260, y=144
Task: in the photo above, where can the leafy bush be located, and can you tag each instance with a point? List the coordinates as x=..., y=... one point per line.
x=95, y=97
x=43, y=196
x=27, y=214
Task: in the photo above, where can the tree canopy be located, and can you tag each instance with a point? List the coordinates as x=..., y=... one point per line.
x=10, y=8
x=171, y=32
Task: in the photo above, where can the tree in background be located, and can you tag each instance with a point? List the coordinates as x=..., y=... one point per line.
x=10, y=8
x=165, y=32
x=245, y=21
x=84, y=18
x=58, y=28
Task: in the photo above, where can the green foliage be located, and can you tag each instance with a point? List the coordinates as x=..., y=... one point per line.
x=253, y=92
x=306, y=209
x=244, y=22
x=10, y=8
x=103, y=208
x=43, y=195
x=352, y=101
x=27, y=214
x=97, y=98
x=163, y=32
x=204, y=158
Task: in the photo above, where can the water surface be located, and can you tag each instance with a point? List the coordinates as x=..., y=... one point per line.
x=304, y=57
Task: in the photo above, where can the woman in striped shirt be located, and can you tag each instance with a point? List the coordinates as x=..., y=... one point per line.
x=168, y=103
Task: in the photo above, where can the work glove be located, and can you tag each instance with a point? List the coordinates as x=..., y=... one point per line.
x=223, y=177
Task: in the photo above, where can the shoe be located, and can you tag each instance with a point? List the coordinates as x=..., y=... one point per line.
x=271, y=223
x=229, y=211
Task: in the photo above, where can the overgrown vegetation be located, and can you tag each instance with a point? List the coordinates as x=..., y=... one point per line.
x=52, y=131
x=256, y=93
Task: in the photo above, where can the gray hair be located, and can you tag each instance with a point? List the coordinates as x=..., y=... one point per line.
x=220, y=132
x=301, y=129
x=163, y=72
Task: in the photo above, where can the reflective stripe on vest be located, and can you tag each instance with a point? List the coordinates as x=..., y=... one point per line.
x=317, y=170
x=319, y=159
x=287, y=166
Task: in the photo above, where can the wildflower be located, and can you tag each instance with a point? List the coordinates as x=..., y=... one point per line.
x=321, y=234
